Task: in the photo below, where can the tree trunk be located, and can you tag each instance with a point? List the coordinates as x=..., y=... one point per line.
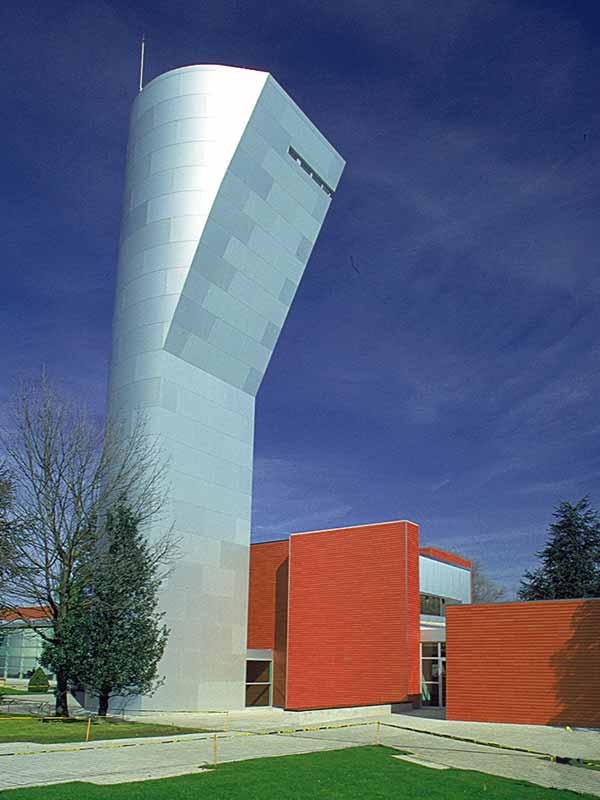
x=62, y=702
x=103, y=699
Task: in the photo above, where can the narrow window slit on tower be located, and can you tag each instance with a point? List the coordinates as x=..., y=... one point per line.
x=310, y=171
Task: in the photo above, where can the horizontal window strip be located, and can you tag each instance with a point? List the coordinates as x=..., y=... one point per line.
x=310, y=171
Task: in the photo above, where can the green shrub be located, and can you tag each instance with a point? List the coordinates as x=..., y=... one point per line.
x=38, y=681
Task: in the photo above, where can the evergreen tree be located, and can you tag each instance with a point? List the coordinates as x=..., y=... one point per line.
x=38, y=682
x=115, y=637
x=571, y=558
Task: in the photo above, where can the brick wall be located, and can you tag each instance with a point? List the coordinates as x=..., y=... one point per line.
x=533, y=663
x=353, y=621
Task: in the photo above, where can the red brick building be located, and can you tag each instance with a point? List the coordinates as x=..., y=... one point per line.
x=336, y=617
x=535, y=663
x=363, y=616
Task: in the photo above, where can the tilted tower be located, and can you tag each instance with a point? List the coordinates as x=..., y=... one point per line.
x=228, y=184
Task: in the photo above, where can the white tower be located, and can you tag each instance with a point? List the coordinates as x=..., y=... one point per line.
x=228, y=184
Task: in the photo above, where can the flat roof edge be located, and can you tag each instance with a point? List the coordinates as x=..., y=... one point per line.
x=445, y=561
x=351, y=527
x=527, y=602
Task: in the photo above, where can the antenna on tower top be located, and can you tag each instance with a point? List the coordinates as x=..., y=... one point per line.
x=142, y=61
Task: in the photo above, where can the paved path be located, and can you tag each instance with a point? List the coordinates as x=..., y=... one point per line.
x=110, y=761
x=494, y=761
x=145, y=760
x=580, y=743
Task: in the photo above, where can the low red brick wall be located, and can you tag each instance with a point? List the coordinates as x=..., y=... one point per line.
x=531, y=663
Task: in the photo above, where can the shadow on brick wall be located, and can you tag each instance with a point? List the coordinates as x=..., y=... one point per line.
x=280, y=635
x=577, y=669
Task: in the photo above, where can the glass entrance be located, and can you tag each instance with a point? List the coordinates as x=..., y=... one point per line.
x=433, y=673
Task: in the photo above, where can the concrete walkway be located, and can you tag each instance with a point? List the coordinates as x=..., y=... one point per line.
x=580, y=743
x=257, y=719
x=112, y=762
x=105, y=762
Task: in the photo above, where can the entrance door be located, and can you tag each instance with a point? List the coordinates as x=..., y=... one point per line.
x=433, y=673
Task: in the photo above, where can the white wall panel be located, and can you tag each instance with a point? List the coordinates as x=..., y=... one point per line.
x=444, y=580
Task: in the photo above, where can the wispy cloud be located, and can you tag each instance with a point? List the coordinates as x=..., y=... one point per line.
x=453, y=380
x=291, y=496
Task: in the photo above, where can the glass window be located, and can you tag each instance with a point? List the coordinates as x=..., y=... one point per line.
x=16, y=639
x=436, y=606
x=20, y=652
x=13, y=668
x=258, y=683
x=28, y=642
x=430, y=669
x=258, y=671
x=431, y=605
x=310, y=171
x=433, y=673
x=431, y=694
x=449, y=601
x=257, y=694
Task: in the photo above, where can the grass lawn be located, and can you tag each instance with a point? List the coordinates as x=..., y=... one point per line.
x=365, y=773
x=7, y=690
x=16, y=729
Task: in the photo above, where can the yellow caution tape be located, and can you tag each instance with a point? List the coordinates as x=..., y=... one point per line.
x=111, y=746
x=188, y=737
x=300, y=730
x=279, y=732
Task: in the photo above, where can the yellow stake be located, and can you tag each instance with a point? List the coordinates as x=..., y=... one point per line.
x=215, y=749
x=87, y=730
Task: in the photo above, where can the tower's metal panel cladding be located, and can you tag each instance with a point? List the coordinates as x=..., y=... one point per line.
x=228, y=184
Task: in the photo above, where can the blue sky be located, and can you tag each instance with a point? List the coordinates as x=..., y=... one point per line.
x=453, y=377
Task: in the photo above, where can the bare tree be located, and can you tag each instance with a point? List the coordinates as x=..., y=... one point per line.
x=6, y=495
x=66, y=471
x=484, y=589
